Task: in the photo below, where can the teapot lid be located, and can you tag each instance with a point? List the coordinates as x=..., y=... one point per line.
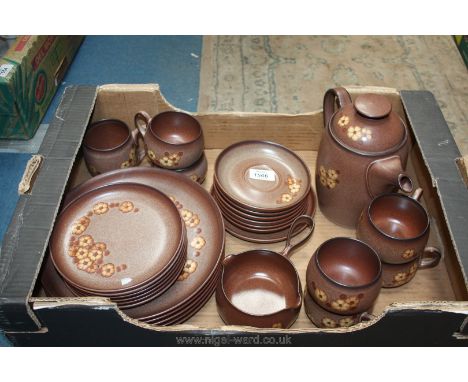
x=368, y=126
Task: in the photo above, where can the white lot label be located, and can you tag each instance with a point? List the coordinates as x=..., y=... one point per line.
x=267, y=175
x=5, y=69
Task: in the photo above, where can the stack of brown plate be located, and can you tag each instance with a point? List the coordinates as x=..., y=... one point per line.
x=261, y=187
x=125, y=241
x=195, y=280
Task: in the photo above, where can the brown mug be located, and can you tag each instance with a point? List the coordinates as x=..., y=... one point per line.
x=173, y=139
x=324, y=319
x=396, y=226
x=108, y=145
x=344, y=276
x=395, y=275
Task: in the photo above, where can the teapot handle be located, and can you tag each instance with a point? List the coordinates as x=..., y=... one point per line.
x=340, y=95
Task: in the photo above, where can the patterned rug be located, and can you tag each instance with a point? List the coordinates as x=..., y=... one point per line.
x=289, y=74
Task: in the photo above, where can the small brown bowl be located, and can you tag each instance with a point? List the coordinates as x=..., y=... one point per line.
x=395, y=275
x=197, y=171
x=109, y=145
x=344, y=276
x=174, y=140
x=261, y=288
x=324, y=319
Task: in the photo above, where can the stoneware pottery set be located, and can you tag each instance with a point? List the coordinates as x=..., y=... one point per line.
x=153, y=241
x=172, y=140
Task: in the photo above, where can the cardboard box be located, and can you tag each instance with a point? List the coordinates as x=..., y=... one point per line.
x=462, y=43
x=431, y=310
x=30, y=72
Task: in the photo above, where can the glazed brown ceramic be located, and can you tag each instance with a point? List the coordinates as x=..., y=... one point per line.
x=205, y=233
x=173, y=139
x=108, y=145
x=247, y=221
x=91, y=254
x=266, y=217
x=268, y=237
x=363, y=153
x=324, y=319
x=344, y=276
x=260, y=287
x=262, y=176
x=197, y=171
x=395, y=275
x=396, y=226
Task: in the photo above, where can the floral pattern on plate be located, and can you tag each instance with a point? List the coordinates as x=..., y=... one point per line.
x=87, y=254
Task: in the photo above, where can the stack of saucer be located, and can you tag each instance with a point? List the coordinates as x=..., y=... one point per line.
x=261, y=188
x=124, y=241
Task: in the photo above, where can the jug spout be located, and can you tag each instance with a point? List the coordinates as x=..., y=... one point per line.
x=382, y=174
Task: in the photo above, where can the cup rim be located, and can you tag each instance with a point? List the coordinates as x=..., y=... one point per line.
x=150, y=123
x=102, y=121
x=418, y=205
x=322, y=272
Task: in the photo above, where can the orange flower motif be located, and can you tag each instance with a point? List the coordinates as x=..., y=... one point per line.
x=126, y=207
x=100, y=208
x=85, y=241
x=328, y=322
x=82, y=253
x=72, y=250
x=100, y=246
x=84, y=264
x=408, y=254
x=125, y=164
x=346, y=322
x=186, y=215
x=285, y=198
x=341, y=305
x=107, y=270
x=353, y=301
x=198, y=242
x=343, y=121
x=95, y=254
x=152, y=155
x=321, y=295
x=193, y=222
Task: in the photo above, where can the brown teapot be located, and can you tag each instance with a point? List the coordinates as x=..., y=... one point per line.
x=363, y=153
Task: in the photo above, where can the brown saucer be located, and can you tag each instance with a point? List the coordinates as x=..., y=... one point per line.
x=270, y=237
x=262, y=176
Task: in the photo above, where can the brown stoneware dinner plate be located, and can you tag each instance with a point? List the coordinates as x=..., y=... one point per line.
x=266, y=238
x=262, y=176
x=205, y=232
x=155, y=283
x=116, y=237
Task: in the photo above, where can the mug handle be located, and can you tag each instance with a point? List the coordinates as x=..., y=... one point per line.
x=430, y=258
x=142, y=115
x=286, y=252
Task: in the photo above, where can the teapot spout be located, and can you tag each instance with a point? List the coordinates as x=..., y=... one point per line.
x=385, y=173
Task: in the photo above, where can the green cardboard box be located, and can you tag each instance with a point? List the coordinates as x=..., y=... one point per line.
x=462, y=43
x=30, y=72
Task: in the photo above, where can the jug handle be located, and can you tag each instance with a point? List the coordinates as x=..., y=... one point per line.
x=303, y=219
x=341, y=96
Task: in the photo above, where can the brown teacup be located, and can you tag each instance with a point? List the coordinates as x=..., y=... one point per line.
x=395, y=275
x=173, y=139
x=324, y=319
x=396, y=226
x=344, y=276
x=108, y=145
